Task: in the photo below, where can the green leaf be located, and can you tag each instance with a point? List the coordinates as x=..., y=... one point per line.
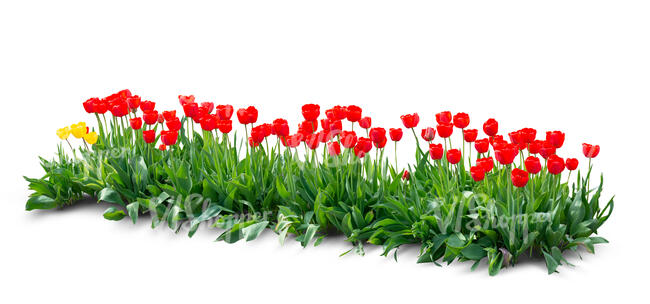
x=473, y=252
x=40, y=202
x=551, y=263
x=253, y=231
x=309, y=234
x=109, y=195
x=114, y=214
x=133, y=209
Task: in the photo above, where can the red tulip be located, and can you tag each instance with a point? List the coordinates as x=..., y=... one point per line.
x=487, y=163
x=443, y=117
x=133, y=102
x=312, y=141
x=428, y=134
x=515, y=137
x=381, y=143
x=311, y=111
x=200, y=114
x=348, y=139
x=453, y=156
x=293, y=141
x=365, y=144
x=535, y=146
x=533, y=165
x=88, y=104
x=224, y=112
x=150, y=117
x=168, y=137
x=209, y=123
x=491, y=127
x=497, y=140
x=477, y=173
x=547, y=150
x=571, y=164
x=334, y=148
x=365, y=122
x=445, y=130
x=258, y=133
x=169, y=115
x=461, y=120
x=161, y=118
x=482, y=145
x=136, y=123
x=395, y=134
x=162, y=147
x=528, y=135
x=207, y=107
x=353, y=113
x=120, y=109
x=590, y=151
x=406, y=176
x=410, y=120
x=100, y=106
x=325, y=124
x=149, y=136
x=308, y=127
x=555, y=164
x=470, y=135
x=505, y=153
x=556, y=138
x=337, y=113
x=174, y=125
x=191, y=109
x=359, y=152
x=253, y=143
x=185, y=99
x=377, y=134
x=224, y=126
x=436, y=151
x=335, y=127
x=281, y=127
x=519, y=177
x=247, y=115
x=147, y=106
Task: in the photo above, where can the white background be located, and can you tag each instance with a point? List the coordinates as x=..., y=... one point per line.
x=577, y=66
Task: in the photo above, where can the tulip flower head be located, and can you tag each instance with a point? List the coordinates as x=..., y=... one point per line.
x=454, y=156
x=224, y=112
x=162, y=147
x=477, y=173
x=555, y=164
x=209, y=123
x=428, y=133
x=311, y=111
x=147, y=106
x=491, y=127
x=410, y=120
x=136, y=123
x=168, y=138
x=482, y=145
x=149, y=136
x=519, y=177
x=365, y=122
x=436, y=151
x=533, y=165
x=571, y=164
x=89, y=104
x=445, y=130
x=91, y=138
x=590, y=151
x=334, y=148
x=79, y=130
x=461, y=120
x=377, y=134
x=443, y=117
x=547, y=150
x=556, y=138
x=406, y=175
x=281, y=127
x=186, y=99
x=395, y=134
x=353, y=113
x=150, y=117
x=63, y=133
x=348, y=139
x=469, y=135
x=505, y=153
x=487, y=163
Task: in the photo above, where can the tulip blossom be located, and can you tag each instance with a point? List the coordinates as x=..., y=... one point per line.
x=174, y=125
x=63, y=133
x=445, y=130
x=209, y=123
x=348, y=139
x=258, y=134
x=428, y=133
x=162, y=147
x=136, y=123
x=556, y=138
x=147, y=106
x=477, y=173
x=528, y=135
x=334, y=148
x=555, y=164
x=505, y=154
x=454, y=156
x=91, y=138
x=535, y=146
x=133, y=102
x=365, y=144
x=100, y=106
x=482, y=145
x=79, y=130
x=377, y=134
x=168, y=138
x=469, y=135
x=395, y=134
x=590, y=151
x=519, y=177
x=461, y=120
x=410, y=120
x=487, y=163
x=406, y=175
x=547, y=150
x=353, y=113
x=312, y=141
x=533, y=165
x=169, y=115
x=281, y=127
x=571, y=164
x=224, y=112
x=436, y=151
x=491, y=127
x=310, y=111
x=337, y=113
x=150, y=117
x=365, y=122
x=293, y=141
x=149, y=136
x=224, y=126
x=207, y=107
x=443, y=117
x=88, y=104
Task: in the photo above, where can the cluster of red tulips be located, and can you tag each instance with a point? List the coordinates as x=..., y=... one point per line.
x=124, y=105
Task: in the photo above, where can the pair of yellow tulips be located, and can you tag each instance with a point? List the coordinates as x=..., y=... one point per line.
x=78, y=130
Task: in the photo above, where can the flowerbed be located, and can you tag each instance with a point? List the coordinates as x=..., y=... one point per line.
x=493, y=198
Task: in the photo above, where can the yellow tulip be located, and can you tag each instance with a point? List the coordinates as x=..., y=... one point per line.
x=79, y=130
x=91, y=138
x=63, y=133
